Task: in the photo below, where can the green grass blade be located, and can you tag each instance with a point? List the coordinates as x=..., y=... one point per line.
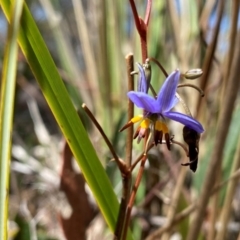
x=6, y=111
x=45, y=71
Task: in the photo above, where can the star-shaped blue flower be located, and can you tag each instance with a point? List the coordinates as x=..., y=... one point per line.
x=165, y=101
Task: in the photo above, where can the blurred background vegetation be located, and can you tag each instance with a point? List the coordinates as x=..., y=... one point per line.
x=89, y=41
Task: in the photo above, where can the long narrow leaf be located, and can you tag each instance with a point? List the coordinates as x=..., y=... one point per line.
x=6, y=112
x=45, y=71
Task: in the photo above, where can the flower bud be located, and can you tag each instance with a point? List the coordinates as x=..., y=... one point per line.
x=144, y=77
x=148, y=72
x=191, y=137
x=193, y=73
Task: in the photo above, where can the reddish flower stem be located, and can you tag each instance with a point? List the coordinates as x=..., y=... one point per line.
x=135, y=15
x=126, y=178
x=133, y=195
x=143, y=38
x=148, y=11
x=141, y=26
x=142, y=31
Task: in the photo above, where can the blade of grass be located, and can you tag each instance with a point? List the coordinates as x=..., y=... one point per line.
x=45, y=71
x=6, y=114
x=88, y=54
x=66, y=52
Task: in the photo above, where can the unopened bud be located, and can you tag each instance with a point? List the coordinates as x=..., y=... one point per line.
x=191, y=137
x=144, y=77
x=148, y=73
x=193, y=73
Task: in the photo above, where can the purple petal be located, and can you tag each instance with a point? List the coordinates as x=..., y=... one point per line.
x=166, y=96
x=185, y=120
x=142, y=81
x=142, y=100
x=174, y=103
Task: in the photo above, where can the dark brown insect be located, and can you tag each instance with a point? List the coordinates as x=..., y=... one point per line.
x=191, y=137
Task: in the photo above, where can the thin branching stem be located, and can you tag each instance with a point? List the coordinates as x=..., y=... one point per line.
x=120, y=163
x=135, y=187
x=181, y=145
x=141, y=26
x=130, y=68
x=141, y=156
x=133, y=195
x=192, y=86
x=151, y=59
x=126, y=178
x=126, y=185
x=151, y=146
x=143, y=39
x=135, y=15
x=148, y=11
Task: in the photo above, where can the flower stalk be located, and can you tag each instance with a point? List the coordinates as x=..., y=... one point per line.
x=142, y=26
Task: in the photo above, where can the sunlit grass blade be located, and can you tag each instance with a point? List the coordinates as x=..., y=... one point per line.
x=6, y=111
x=45, y=71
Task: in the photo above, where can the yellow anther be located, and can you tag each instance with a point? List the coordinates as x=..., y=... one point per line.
x=145, y=123
x=160, y=126
x=164, y=128
x=137, y=118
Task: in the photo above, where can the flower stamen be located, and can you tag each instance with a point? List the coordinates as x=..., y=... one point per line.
x=161, y=129
x=142, y=129
x=131, y=122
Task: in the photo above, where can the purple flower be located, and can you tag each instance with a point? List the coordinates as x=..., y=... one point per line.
x=156, y=110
